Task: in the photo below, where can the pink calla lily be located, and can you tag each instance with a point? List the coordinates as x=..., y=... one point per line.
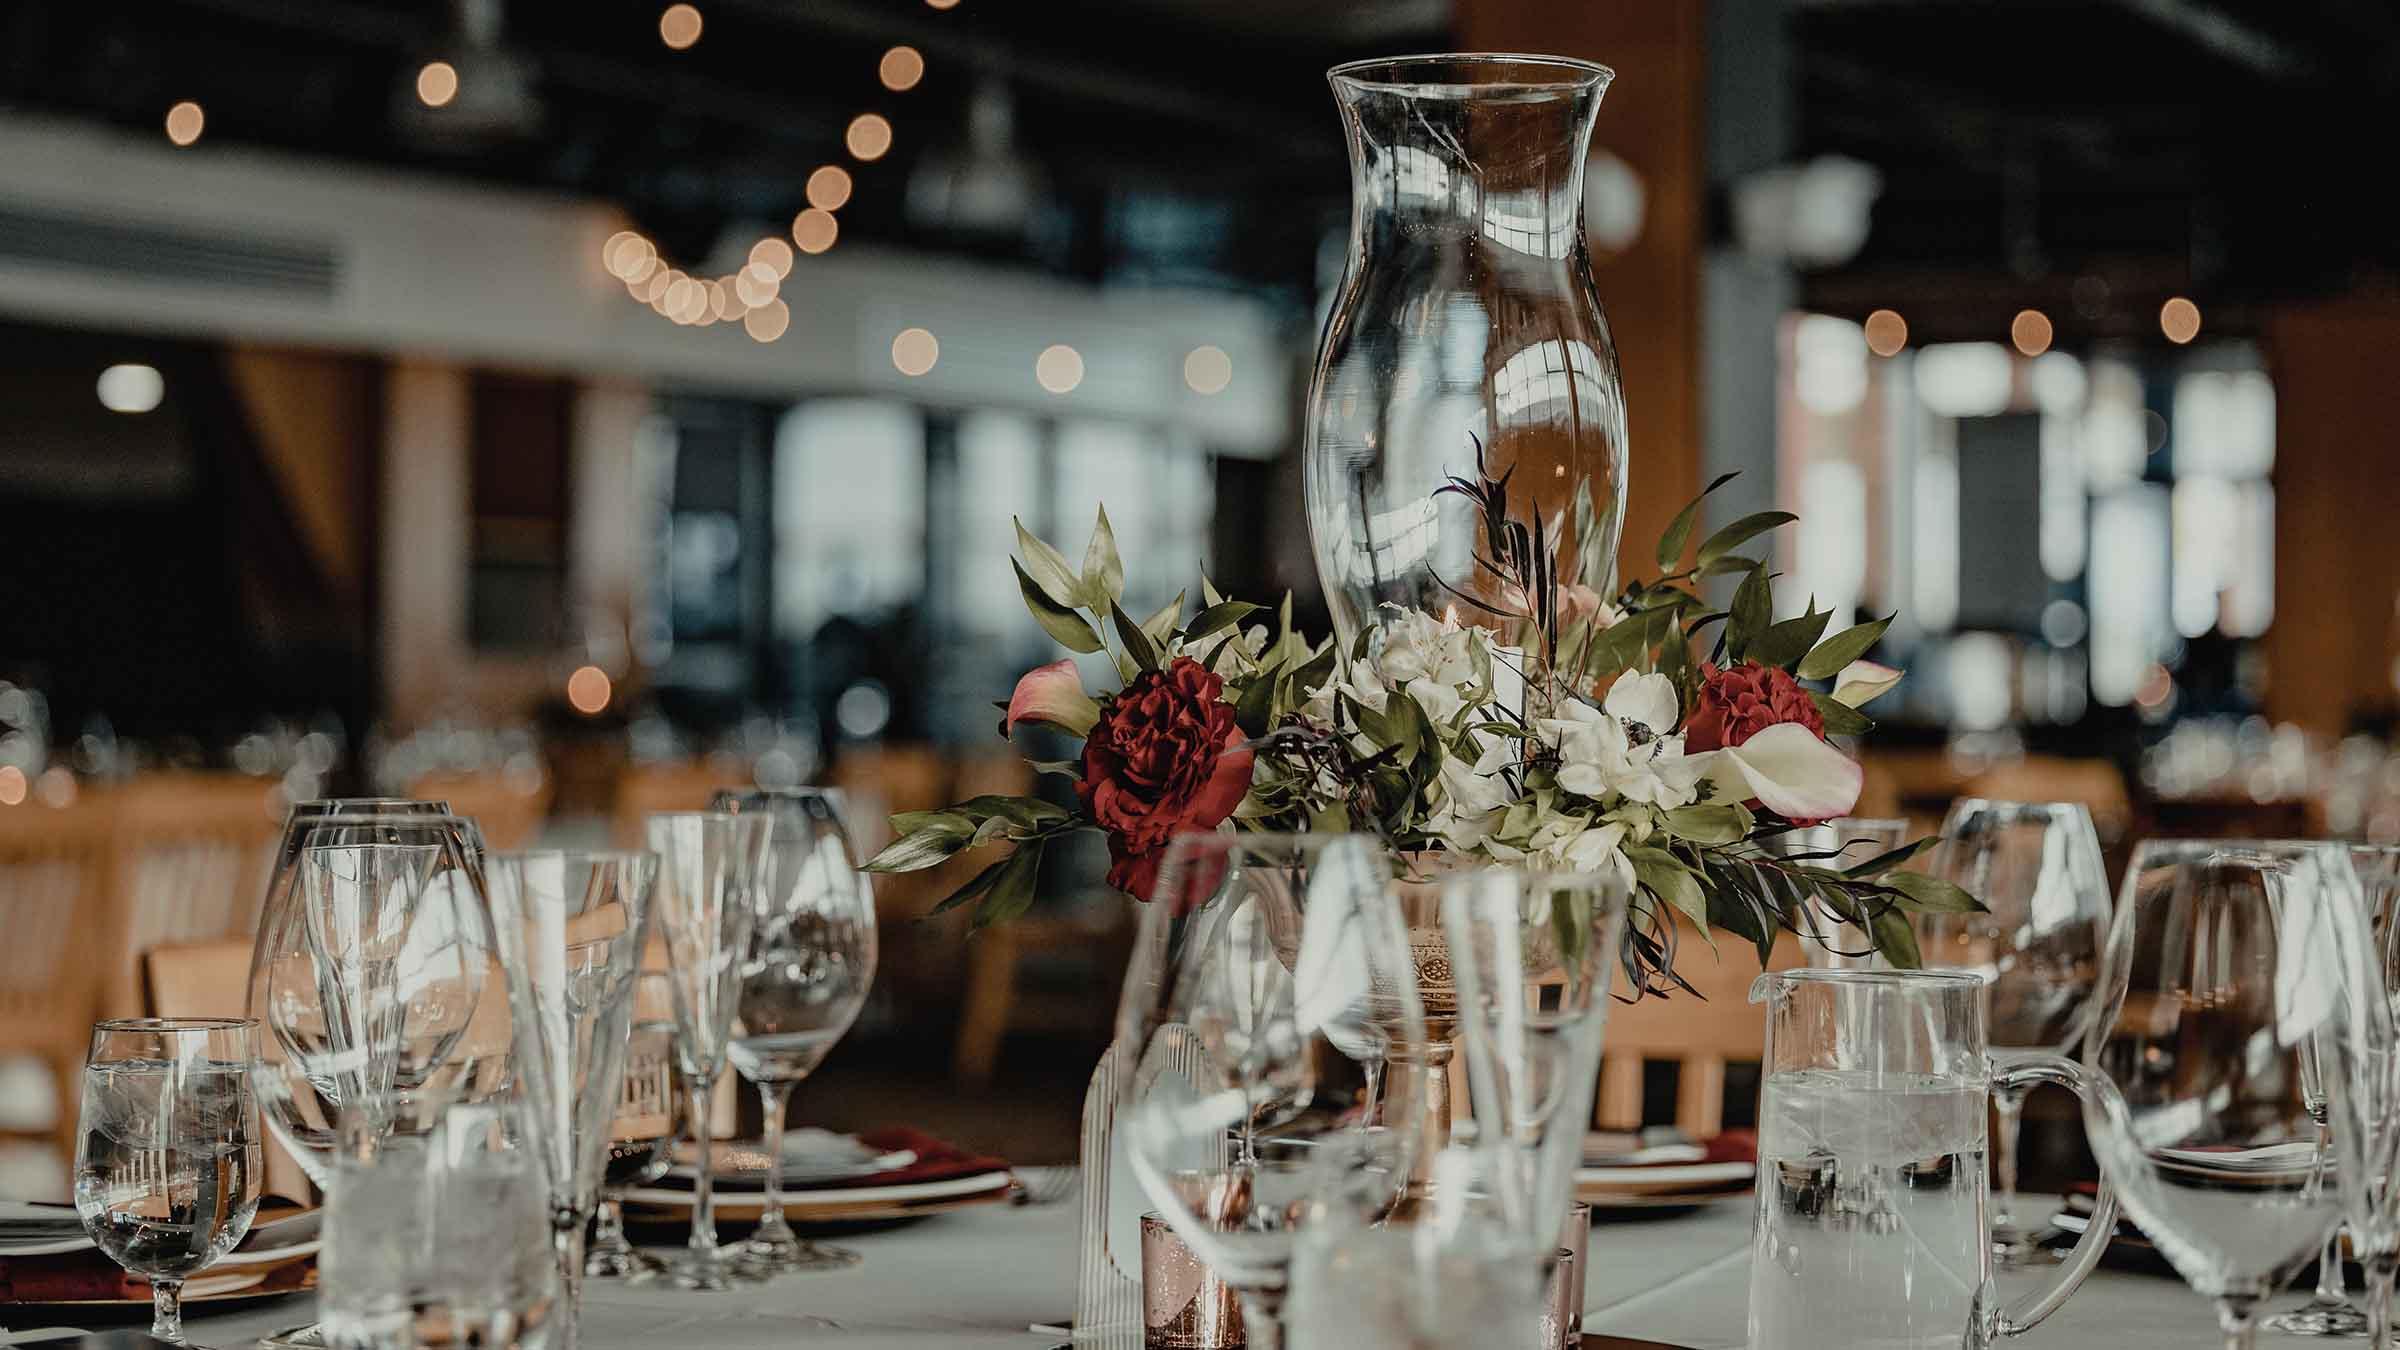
x=1861, y=682
x=1052, y=694
x=1791, y=772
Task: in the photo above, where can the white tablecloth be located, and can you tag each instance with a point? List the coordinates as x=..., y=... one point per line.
x=980, y=1278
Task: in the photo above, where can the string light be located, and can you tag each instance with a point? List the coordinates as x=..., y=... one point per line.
x=1059, y=368
x=2179, y=319
x=184, y=122
x=869, y=136
x=2030, y=330
x=814, y=230
x=766, y=322
x=679, y=26
x=900, y=69
x=1207, y=370
x=914, y=351
x=755, y=285
x=942, y=4
x=437, y=84
x=1886, y=332
x=774, y=255
x=829, y=188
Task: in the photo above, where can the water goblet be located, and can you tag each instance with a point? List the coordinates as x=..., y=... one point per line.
x=804, y=977
x=641, y=1140
x=167, y=1157
x=709, y=866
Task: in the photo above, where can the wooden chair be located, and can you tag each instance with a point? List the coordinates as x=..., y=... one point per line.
x=188, y=863
x=1700, y=1036
x=53, y=865
x=509, y=810
x=212, y=979
x=683, y=786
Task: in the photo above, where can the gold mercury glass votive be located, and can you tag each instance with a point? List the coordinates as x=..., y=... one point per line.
x=1184, y=1305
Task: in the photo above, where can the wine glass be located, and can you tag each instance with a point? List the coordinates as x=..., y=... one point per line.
x=570, y=928
x=372, y=982
x=2224, y=960
x=1532, y=955
x=709, y=863
x=641, y=1140
x=804, y=978
x=1241, y=1109
x=167, y=1156
x=2036, y=867
x=1839, y=844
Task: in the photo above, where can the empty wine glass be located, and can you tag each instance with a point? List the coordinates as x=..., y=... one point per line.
x=2036, y=867
x=804, y=977
x=641, y=1139
x=709, y=862
x=1241, y=1103
x=570, y=928
x=167, y=1156
x=2223, y=960
x=1838, y=844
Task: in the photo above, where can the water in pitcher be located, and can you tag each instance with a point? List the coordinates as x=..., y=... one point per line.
x=1871, y=1228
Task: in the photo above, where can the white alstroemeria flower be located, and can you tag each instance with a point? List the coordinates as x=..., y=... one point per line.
x=1432, y=658
x=1473, y=796
x=1600, y=849
x=1623, y=747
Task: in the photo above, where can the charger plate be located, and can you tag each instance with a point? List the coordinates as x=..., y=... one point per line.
x=208, y=1291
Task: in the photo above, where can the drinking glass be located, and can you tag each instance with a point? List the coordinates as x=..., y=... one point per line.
x=438, y=1238
x=1531, y=955
x=1838, y=844
x=167, y=1156
x=709, y=865
x=2224, y=960
x=2037, y=869
x=373, y=982
x=1242, y=1111
x=641, y=1140
x=803, y=979
x=2330, y=1311
x=570, y=929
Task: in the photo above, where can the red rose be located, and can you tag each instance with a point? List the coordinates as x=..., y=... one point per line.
x=1739, y=703
x=1164, y=758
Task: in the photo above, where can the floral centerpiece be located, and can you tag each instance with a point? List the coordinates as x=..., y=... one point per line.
x=1666, y=741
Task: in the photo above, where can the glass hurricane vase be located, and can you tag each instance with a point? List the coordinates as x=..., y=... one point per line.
x=1465, y=453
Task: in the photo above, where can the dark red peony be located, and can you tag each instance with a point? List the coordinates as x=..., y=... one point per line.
x=1739, y=703
x=1164, y=758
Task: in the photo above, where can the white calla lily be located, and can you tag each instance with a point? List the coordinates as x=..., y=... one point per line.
x=1787, y=769
x=1861, y=682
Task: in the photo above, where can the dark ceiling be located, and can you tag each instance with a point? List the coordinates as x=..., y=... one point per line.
x=2229, y=147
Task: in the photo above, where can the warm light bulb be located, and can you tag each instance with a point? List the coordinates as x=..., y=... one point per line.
x=1886, y=332
x=679, y=26
x=869, y=136
x=1059, y=368
x=2179, y=319
x=2030, y=330
x=437, y=83
x=184, y=122
x=914, y=351
x=900, y=69
x=829, y=188
x=1207, y=370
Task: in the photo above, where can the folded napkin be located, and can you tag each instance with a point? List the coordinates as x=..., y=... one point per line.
x=68, y=1277
x=937, y=1160
x=1732, y=1146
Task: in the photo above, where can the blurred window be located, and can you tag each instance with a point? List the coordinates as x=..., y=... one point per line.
x=849, y=511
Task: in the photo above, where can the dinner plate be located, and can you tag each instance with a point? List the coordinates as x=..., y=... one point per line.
x=810, y=1157
x=1674, y=1177
x=35, y=1229
x=841, y=1204
x=211, y=1289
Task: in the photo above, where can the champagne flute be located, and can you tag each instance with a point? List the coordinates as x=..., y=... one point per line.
x=709, y=864
x=2224, y=960
x=641, y=1142
x=2036, y=867
x=167, y=1156
x=804, y=977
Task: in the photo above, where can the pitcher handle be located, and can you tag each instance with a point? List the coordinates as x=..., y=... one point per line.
x=2029, y=1312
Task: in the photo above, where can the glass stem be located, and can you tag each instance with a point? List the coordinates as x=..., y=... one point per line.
x=774, y=1099
x=2237, y=1315
x=2380, y=1272
x=2332, y=1280
x=566, y=1237
x=2008, y=1106
x=166, y=1310
x=1372, y=1067
x=1262, y=1320
x=703, y=1242
x=608, y=1229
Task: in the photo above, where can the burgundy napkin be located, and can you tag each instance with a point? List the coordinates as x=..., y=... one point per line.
x=937, y=1159
x=66, y=1277
x=1733, y=1146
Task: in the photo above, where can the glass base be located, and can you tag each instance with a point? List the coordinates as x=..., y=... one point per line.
x=310, y=1337
x=707, y=1272
x=2320, y=1317
x=630, y=1264
x=2015, y=1249
x=760, y=1260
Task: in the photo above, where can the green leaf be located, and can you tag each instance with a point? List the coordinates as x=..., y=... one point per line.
x=1708, y=824
x=1065, y=627
x=1671, y=881
x=1256, y=706
x=1209, y=598
x=1025, y=811
x=1161, y=625
x=1137, y=645
x=1619, y=646
x=1048, y=567
x=1753, y=609
x=1828, y=658
x=1012, y=890
x=1840, y=718
x=1896, y=938
x=909, y=822
x=1885, y=862
x=1219, y=614
x=1679, y=530
x=976, y=886
x=1728, y=565
x=1788, y=641
x=1932, y=895
x=1103, y=580
x=925, y=847
x=1064, y=768
x=1742, y=532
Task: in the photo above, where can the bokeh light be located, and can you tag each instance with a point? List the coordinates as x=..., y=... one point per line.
x=437, y=83
x=12, y=785
x=185, y=121
x=766, y=322
x=2179, y=319
x=914, y=351
x=1059, y=368
x=829, y=188
x=131, y=388
x=869, y=136
x=756, y=284
x=900, y=69
x=1207, y=370
x=2030, y=330
x=679, y=26
x=588, y=690
x=814, y=230
x=941, y=4
x=774, y=255
x=1886, y=332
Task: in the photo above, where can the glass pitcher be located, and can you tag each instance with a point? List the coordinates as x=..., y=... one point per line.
x=1874, y=1223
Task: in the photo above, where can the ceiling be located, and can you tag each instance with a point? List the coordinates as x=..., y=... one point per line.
x=2223, y=146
